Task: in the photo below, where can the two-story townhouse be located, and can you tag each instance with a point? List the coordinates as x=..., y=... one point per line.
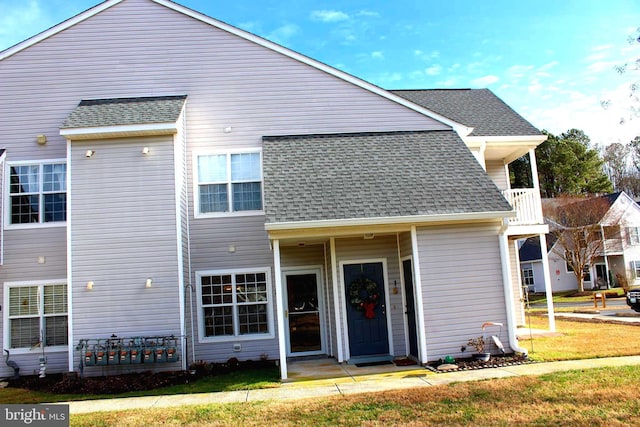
x=168, y=177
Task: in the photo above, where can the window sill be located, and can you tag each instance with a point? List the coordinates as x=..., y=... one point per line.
x=228, y=338
x=228, y=214
x=38, y=350
x=34, y=225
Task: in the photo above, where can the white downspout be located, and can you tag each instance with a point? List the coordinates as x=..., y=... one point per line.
x=508, y=291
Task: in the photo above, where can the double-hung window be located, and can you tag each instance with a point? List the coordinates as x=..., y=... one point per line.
x=635, y=265
x=234, y=304
x=634, y=235
x=36, y=315
x=527, y=276
x=37, y=193
x=229, y=182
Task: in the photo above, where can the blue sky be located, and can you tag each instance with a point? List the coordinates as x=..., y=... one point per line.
x=551, y=60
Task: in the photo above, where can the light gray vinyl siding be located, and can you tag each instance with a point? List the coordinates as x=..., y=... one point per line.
x=21, y=265
x=498, y=174
x=405, y=245
x=461, y=285
x=516, y=282
x=381, y=247
x=123, y=231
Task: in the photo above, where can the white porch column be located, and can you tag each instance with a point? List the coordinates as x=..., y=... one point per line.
x=547, y=281
x=534, y=169
x=417, y=290
x=336, y=299
x=280, y=308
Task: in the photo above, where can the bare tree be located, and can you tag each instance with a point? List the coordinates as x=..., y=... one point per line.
x=575, y=224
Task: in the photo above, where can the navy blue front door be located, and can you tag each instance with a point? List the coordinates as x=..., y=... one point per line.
x=367, y=330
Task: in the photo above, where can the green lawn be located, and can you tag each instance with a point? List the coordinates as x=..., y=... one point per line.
x=239, y=380
x=541, y=298
x=596, y=397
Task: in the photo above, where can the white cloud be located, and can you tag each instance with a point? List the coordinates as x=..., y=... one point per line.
x=600, y=66
x=368, y=13
x=434, y=70
x=450, y=82
x=427, y=56
x=558, y=110
x=518, y=71
x=602, y=47
x=19, y=23
x=386, y=79
x=377, y=55
x=484, y=81
x=328, y=15
x=284, y=33
x=548, y=66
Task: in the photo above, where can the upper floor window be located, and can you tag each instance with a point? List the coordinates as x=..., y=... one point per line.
x=36, y=315
x=635, y=265
x=38, y=193
x=229, y=182
x=634, y=235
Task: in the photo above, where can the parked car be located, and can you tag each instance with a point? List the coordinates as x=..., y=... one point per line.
x=633, y=299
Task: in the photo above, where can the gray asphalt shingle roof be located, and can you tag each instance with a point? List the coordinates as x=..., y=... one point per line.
x=477, y=108
x=125, y=111
x=369, y=175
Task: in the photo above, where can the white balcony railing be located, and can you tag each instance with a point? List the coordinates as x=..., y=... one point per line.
x=526, y=202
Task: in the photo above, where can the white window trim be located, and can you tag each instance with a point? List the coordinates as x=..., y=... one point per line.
x=524, y=277
x=7, y=195
x=636, y=266
x=5, y=317
x=228, y=338
x=196, y=184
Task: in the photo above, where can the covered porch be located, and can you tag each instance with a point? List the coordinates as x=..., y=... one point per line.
x=348, y=296
x=371, y=234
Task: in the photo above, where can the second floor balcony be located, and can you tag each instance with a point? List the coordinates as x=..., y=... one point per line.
x=526, y=203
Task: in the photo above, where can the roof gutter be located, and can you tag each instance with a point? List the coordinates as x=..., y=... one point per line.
x=120, y=131
x=410, y=219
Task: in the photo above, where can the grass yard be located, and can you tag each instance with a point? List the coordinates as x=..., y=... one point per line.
x=239, y=380
x=600, y=397
x=582, y=340
x=570, y=296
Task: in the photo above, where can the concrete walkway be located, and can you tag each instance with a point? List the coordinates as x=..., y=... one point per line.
x=346, y=385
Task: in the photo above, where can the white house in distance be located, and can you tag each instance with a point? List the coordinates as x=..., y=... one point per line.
x=620, y=257
x=177, y=189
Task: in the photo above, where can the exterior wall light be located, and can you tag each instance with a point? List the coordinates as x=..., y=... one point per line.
x=89, y=153
x=148, y=282
x=145, y=150
x=90, y=285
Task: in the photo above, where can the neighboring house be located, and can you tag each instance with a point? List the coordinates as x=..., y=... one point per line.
x=619, y=258
x=170, y=180
x=531, y=268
